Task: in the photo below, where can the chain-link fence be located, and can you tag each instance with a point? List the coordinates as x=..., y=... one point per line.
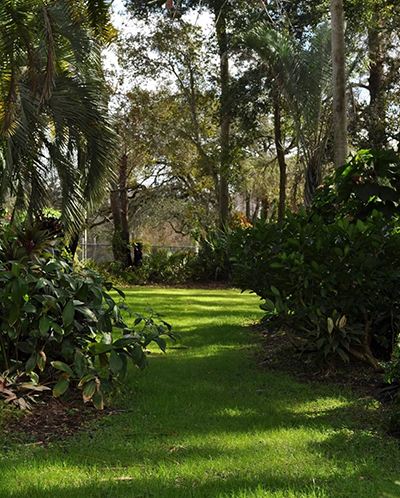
x=102, y=252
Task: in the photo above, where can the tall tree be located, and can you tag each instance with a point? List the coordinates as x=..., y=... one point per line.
x=228, y=17
x=302, y=75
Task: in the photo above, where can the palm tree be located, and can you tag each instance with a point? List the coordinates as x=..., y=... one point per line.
x=53, y=110
x=303, y=76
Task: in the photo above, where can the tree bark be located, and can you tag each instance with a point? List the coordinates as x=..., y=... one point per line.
x=225, y=119
x=339, y=83
x=280, y=152
x=119, y=207
x=377, y=109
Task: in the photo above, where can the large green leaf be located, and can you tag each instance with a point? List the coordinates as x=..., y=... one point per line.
x=16, y=293
x=79, y=364
x=16, y=268
x=68, y=313
x=99, y=348
x=59, y=365
x=61, y=387
x=31, y=363
x=126, y=340
x=44, y=325
x=14, y=313
x=98, y=400
x=161, y=343
x=116, y=364
x=87, y=312
x=89, y=389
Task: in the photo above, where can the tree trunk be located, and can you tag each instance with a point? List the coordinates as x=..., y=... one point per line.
x=339, y=83
x=225, y=119
x=119, y=207
x=280, y=152
x=313, y=177
x=377, y=109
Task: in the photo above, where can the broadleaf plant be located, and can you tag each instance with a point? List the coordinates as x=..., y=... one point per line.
x=60, y=325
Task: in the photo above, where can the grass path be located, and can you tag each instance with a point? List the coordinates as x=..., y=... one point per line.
x=205, y=422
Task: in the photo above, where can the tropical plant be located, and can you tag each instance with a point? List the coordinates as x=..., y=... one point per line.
x=329, y=275
x=212, y=262
x=333, y=288
x=369, y=181
x=58, y=326
x=53, y=110
x=303, y=76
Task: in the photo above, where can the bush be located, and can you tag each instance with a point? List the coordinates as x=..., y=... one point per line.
x=160, y=266
x=369, y=181
x=328, y=278
x=334, y=288
x=57, y=324
x=163, y=267
x=213, y=261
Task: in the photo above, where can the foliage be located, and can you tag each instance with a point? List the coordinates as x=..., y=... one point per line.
x=392, y=368
x=58, y=325
x=53, y=105
x=303, y=75
x=160, y=266
x=369, y=180
x=212, y=263
x=333, y=287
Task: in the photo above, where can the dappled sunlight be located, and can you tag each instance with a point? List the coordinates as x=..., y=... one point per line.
x=204, y=422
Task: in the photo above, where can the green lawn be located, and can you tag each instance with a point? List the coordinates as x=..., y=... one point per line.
x=205, y=422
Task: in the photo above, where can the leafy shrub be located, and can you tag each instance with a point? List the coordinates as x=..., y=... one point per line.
x=330, y=275
x=333, y=287
x=369, y=181
x=213, y=261
x=160, y=266
x=57, y=325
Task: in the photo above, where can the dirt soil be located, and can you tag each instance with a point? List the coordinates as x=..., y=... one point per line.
x=57, y=421
x=53, y=421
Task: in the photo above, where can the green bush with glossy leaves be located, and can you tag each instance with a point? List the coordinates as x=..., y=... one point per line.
x=60, y=328
x=330, y=274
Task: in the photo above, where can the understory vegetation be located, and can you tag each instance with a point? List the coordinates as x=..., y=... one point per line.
x=59, y=323
x=329, y=274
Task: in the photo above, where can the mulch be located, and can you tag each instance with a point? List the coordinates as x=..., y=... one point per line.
x=278, y=354
x=52, y=420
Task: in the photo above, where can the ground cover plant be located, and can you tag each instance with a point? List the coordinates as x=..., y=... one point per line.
x=211, y=263
x=204, y=420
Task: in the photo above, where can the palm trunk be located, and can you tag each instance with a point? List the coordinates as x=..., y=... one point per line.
x=281, y=158
x=377, y=109
x=339, y=83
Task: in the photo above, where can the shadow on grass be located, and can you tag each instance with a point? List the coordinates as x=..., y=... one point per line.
x=216, y=485
x=164, y=431
x=211, y=407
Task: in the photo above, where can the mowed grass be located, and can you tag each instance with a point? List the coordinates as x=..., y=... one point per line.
x=207, y=422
